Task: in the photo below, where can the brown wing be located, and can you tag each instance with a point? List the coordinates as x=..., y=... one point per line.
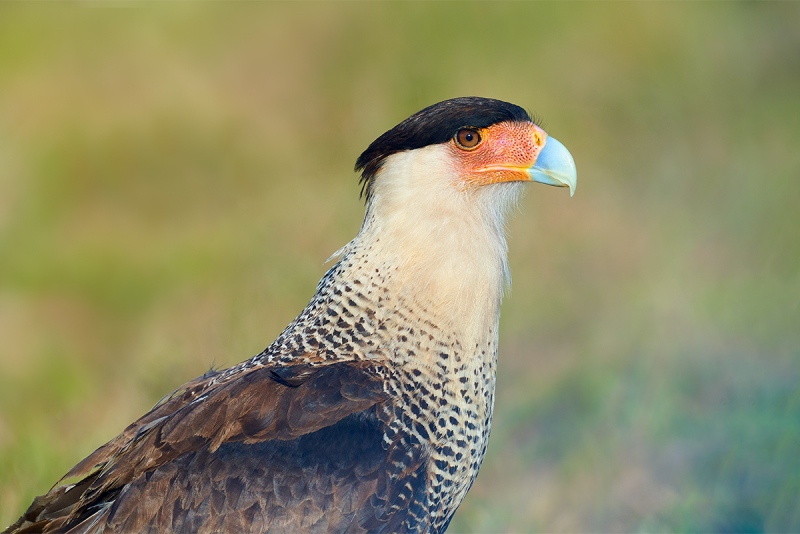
x=273, y=449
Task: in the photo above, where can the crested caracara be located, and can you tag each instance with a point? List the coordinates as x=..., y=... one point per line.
x=371, y=411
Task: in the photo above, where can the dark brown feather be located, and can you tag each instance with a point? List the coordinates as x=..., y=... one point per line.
x=272, y=449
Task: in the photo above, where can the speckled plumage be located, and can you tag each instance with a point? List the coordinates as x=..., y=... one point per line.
x=442, y=377
x=371, y=412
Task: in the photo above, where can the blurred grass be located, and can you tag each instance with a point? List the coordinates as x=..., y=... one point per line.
x=172, y=177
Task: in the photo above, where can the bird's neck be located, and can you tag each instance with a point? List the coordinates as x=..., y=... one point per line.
x=446, y=274
x=439, y=249
x=433, y=263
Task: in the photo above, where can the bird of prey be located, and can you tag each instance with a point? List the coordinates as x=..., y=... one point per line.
x=371, y=411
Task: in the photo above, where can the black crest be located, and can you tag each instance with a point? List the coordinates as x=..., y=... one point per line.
x=433, y=125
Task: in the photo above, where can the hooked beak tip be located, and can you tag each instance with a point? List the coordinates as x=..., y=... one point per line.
x=555, y=166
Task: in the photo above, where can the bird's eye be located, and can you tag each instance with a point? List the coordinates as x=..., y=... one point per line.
x=468, y=138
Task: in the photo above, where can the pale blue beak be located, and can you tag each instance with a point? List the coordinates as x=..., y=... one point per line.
x=555, y=166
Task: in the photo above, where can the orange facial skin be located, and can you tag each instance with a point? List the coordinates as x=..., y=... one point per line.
x=506, y=151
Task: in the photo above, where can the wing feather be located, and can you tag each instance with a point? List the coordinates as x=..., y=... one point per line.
x=200, y=429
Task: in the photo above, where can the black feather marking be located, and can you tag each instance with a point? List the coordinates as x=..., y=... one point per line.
x=433, y=125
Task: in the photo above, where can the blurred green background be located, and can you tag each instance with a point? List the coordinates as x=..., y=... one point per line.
x=173, y=176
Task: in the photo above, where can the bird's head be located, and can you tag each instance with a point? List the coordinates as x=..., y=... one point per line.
x=438, y=188
x=439, y=185
x=462, y=145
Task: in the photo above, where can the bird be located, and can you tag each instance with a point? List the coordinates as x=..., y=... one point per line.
x=371, y=411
